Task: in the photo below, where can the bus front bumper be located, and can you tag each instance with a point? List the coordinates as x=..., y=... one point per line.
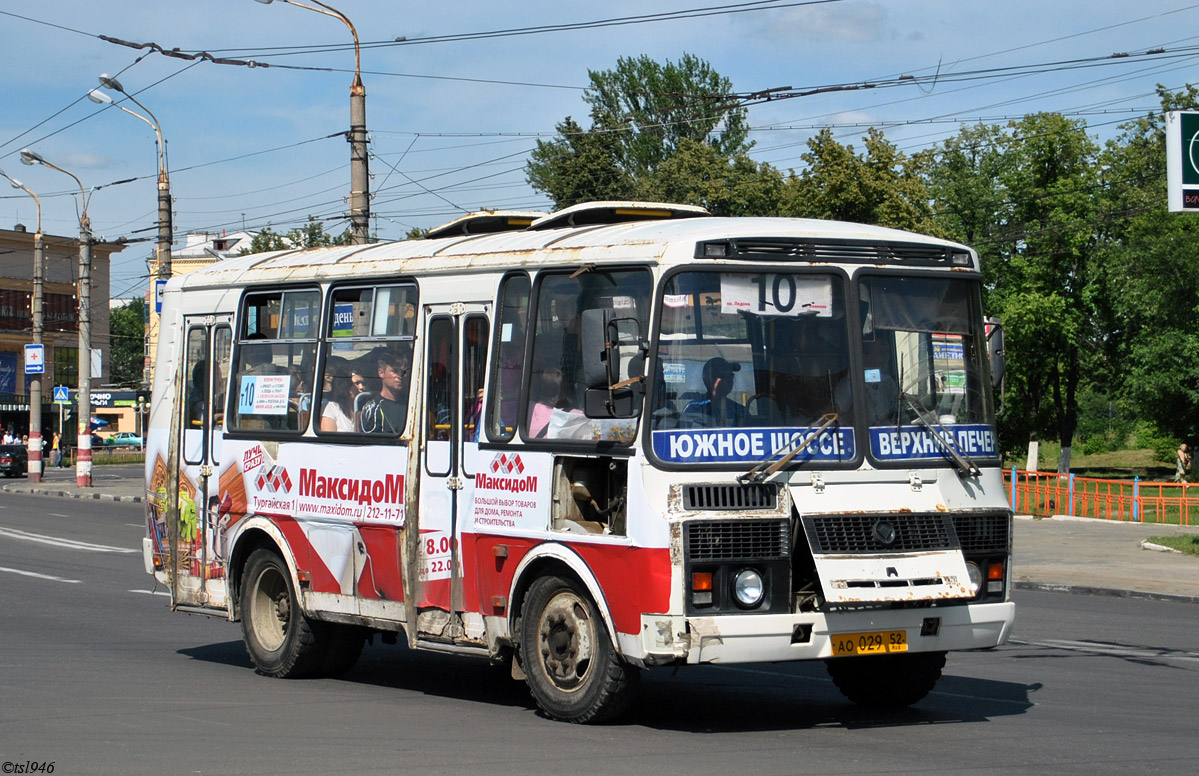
x=750, y=638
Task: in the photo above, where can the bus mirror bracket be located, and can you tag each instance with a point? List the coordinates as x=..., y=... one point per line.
x=996, y=353
x=607, y=341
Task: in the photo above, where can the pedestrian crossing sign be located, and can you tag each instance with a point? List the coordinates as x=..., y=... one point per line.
x=61, y=395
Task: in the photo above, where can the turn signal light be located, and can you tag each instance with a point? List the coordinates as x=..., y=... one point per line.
x=701, y=580
x=995, y=572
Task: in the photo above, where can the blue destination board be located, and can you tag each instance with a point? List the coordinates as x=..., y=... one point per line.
x=749, y=445
x=906, y=443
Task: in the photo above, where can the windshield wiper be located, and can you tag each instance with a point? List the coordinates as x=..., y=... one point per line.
x=766, y=468
x=966, y=467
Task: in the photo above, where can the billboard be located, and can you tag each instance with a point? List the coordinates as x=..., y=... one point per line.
x=1182, y=160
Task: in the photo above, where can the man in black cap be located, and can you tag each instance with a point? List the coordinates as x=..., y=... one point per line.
x=717, y=409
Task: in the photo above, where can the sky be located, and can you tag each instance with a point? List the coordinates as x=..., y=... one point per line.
x=452, y=121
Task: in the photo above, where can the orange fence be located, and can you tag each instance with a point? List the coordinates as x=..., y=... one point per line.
x=1047, y=493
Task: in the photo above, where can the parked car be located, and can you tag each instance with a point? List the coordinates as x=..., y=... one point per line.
x=123, y=439
x=14, y=460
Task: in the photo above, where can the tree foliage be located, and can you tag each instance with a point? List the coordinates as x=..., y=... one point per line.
x=643, y=113
x=311, y=235
x=127, y=355
x=881, y=186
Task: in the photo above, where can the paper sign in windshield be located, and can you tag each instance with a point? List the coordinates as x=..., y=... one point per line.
x=771, y=294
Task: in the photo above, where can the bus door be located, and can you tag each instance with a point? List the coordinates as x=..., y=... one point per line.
x=197, y=557
x=452, y=393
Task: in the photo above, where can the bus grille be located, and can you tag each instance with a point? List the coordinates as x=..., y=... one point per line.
x=850, y=534
x=982, y=533
x=736, y=539
x=729, y=496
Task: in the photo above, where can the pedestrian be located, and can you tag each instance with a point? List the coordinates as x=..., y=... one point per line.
x=56, y=452
x=1182, y=463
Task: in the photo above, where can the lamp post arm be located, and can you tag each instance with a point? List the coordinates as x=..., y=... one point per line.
x=329, y=10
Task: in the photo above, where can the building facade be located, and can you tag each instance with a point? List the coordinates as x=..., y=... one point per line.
x=60, y=321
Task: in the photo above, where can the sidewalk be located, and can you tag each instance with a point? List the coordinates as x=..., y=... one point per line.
x=1069, y=554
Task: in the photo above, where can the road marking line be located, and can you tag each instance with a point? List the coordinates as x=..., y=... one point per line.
x=151, y=592
x=40, y=576
x=69, y=544
x=1111, y=649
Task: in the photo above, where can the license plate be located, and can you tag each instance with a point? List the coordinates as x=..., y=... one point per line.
x=876, y=643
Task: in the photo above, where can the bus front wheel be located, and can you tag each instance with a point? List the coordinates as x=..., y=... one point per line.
x=570, y=663
x=281, y=641
x=887, y=681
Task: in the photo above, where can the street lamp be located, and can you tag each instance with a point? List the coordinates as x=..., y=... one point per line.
x=359, y=172
x=162, y=248
x=35, y=384
x=83, y=465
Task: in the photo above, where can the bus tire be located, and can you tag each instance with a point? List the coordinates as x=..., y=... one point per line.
x=887, y=681
x=570, y=663
x=342, y=650
x=281, y=641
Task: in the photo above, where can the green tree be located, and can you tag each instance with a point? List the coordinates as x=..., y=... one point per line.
x=1045, y=279
x=1150, y=277
x=311, y=235
x=881, y=186
x=642, y=112
x=127, y=354
x=698, y=174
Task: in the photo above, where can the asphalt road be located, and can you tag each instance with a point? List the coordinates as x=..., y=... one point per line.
x=98, y=677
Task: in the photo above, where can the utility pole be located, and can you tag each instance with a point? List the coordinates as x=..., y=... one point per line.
x=36, y=462
x=83, y=464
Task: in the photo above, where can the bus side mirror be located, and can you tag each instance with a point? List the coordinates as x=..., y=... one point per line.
x=995, y=351
x=613, y=360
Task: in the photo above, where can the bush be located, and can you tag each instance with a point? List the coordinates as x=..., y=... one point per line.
x=1147, y=435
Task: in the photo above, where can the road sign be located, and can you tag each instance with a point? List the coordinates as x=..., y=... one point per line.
x=62, y=394
x=35, y=359
x=159, y=287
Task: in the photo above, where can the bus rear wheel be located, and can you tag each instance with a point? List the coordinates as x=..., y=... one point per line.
x=569, y=661
x=281, y=641
x=887, y=681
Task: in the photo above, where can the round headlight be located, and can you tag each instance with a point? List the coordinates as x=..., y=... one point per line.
x=748, y=588
x=976, y=577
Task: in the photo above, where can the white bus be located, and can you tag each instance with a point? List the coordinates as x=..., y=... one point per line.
x=618, y=437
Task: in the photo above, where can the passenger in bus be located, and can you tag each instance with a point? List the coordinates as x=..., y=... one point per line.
x=551, y=414
x=716, y=409
x=197, y=394
x=337, y=406
x=387, y=412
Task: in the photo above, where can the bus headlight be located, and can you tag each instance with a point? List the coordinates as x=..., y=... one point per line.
x=976, y=577
x=748, y=588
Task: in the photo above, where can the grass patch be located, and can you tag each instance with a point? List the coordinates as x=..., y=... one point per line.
x=1114, y=465
x=1185, y=543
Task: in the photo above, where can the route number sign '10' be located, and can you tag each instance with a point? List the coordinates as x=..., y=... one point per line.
x=1182, y=160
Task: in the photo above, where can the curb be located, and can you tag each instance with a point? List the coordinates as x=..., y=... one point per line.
x=1052, y=587
x=73, y=494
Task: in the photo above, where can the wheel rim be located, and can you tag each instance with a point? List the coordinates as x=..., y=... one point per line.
x=567, y=637
x=270, y=609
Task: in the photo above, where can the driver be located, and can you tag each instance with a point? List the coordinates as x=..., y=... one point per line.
x=716, y=409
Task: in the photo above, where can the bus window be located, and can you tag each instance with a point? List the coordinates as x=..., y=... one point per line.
x=274, y=361
x=511, y=326
x=367, y=360
x=556, y=391
x=474, y=363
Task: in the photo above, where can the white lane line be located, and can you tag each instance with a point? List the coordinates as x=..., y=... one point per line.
x=69, y=544
x=55, y=514
x=39, y=576
x=152, y=592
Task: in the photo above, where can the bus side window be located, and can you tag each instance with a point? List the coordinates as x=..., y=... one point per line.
x=511, y=325
x=275, y=358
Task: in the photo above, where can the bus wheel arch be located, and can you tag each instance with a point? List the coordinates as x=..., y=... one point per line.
x=259, y=535
x=567, y=648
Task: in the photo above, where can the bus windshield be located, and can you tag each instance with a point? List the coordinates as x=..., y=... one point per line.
x=764, y=353
x=750, y=363
x=924, y=363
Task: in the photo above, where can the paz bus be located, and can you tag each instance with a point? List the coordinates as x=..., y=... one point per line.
x=614, y=438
